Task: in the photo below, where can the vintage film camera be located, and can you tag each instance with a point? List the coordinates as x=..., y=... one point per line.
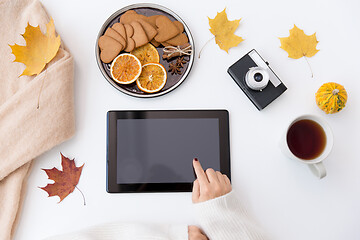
x=257, y=80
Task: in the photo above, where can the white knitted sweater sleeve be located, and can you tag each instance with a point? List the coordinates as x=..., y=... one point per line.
x=224, y=218
x=128, y=231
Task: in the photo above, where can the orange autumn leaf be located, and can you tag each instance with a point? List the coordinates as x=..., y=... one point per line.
x=223, y=30
x=65, y=180
x=39, y=50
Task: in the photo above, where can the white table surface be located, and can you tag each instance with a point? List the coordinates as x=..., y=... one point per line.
x=285, y=198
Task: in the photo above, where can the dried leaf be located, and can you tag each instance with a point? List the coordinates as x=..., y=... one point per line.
x=223, y=30
x=39, y=50
x=65, y=180
x=298, y=44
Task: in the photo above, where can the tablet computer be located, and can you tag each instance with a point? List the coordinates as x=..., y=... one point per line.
x=152, y=151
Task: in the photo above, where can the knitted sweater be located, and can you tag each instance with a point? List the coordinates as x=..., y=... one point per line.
x=222, y=218
x=30, y=107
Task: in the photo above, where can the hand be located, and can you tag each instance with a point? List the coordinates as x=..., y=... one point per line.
x=209, y=184
x=196, y=234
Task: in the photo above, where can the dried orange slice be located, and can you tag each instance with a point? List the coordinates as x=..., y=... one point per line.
x=146, y=54
x=125, y=68
x=152, y=78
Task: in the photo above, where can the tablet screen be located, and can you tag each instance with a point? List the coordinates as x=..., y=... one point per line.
x=153, y=150
x=162, y=150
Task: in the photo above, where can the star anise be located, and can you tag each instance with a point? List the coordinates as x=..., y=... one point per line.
x=174, y=68
x=180, y=61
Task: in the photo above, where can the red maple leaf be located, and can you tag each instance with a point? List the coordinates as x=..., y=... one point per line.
x=65, y=180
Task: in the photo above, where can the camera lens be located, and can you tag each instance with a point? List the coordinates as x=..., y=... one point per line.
x=258, y=77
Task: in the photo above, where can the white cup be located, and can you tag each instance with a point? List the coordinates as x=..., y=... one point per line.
x=316, y=166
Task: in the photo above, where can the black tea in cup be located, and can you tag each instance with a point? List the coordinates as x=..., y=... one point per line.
x=306, y=139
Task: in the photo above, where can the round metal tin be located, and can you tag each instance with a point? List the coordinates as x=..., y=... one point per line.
x=173, y=81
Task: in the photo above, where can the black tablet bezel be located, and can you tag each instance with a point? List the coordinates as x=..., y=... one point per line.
x=113, y=116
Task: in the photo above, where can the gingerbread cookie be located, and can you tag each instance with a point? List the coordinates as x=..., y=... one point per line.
x=148, y=28
x=130, y=42
x=166, y=29
x=139, y=36
x=130, y=45
x=155, y=43
x=180, y=39
x=119, y=27
x=109, y=47
x=152, y=20
x=115, y=35
x=179, y=25
x=165, y=44
x=129, y=30
x=130, y=16
x=131, y=11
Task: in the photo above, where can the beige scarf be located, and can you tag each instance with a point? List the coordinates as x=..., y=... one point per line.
x=25, y=131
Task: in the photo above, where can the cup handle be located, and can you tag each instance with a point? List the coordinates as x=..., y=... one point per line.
x=318, y=169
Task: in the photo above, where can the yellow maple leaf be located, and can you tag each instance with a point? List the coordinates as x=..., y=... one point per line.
x=39, y=50
x=298, y=44
x=223, y=30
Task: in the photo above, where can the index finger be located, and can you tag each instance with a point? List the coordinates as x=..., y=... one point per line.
x=199, y=171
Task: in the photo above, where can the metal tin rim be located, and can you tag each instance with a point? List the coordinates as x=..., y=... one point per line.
x=149, y=5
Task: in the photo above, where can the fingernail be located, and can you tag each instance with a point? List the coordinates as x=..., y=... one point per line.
x=195, y=159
